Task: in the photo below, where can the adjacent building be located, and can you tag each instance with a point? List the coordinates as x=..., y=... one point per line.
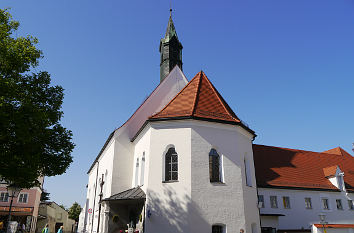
x=295, y=186
x=55, y=216
x=24, y=207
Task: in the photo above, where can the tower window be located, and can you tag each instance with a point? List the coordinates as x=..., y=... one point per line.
x=214, y=166
x=171, y=165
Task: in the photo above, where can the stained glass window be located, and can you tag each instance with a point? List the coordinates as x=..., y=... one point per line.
x=214, y=166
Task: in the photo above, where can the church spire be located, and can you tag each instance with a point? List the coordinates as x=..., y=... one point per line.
x=170, y=50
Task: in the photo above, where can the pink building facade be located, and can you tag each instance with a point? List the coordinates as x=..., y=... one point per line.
x=24, y=207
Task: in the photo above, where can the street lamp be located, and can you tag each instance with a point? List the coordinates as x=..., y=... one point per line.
x=13, y=191
x=323, y=221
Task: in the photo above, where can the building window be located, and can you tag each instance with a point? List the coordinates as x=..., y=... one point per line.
x=286, y=202
x=308, y=203
x=217, y=229
x=171, y=165
x=247, y=172
x=142, y=172
x=4, y=197
x=136, y=172
x=22, y=198
x=260, y=201
x=273, y=202
x=325, y=204
x=339, y=204
x=214, y=166
x=350, y=204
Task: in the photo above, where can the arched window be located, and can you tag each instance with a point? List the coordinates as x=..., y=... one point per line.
x=142, y=172
x=214, y=166
x=171, y=165
x=136, y=173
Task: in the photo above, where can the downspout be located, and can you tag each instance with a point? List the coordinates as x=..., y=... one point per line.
x=94, y=200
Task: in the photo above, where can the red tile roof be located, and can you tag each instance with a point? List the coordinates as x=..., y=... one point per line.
x=336, y=151
x=335, y=225
x=200, y=100
x=330, y=171
x=281, y=167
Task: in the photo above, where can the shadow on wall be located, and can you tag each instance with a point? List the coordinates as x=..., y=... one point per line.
x=173, y=213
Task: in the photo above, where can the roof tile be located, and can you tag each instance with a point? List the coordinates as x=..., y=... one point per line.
x=281, y=167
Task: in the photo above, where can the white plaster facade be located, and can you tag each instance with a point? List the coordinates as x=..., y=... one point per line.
x=300, y=217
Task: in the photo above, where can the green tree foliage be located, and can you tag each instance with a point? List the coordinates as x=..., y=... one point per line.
x=32, y=141
x=74, y=211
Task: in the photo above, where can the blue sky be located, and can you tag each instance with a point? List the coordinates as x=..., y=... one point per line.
x=285, y=67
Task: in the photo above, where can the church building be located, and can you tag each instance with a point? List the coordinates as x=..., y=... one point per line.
x=183, y=162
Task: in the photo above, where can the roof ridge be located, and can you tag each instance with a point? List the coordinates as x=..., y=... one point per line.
x=223, y=102
x=197, y=93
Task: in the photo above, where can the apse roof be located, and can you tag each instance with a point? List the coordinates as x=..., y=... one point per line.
x=199, y=99
x=289, y=168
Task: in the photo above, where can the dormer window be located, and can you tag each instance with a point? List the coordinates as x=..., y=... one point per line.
x=335, y=176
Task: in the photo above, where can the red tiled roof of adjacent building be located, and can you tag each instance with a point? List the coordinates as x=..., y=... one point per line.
x=330, y=171
x=199, y=99
x=289, y=168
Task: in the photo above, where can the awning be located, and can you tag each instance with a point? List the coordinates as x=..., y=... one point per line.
x=131, y=194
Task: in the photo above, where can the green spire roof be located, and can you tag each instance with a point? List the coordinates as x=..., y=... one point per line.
x=170, y=31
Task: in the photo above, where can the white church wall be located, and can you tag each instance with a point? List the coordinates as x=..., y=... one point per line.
x=230, y=203
x=103, y=166
x=298, y=217
x=169, y=203
x=142, y=148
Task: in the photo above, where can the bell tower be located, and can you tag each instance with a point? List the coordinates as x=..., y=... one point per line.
x=170, y=50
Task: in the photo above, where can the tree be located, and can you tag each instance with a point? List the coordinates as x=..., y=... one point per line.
x=74, y=211
x=63, y=207
x=45, y=196
x=33, y=143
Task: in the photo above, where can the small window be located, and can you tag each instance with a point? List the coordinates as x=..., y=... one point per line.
x=247, y=172
x=217, y=229
x=286, y=202
x=171, y=165
x=339, y=204
x=22, y=198
x=136, y=182
x=350, y=204
x=308, y=203
x=325, y=204
x=4, y=197
x=142, y=172
x=260, y=201
x=273, y=202
x=214, y=166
